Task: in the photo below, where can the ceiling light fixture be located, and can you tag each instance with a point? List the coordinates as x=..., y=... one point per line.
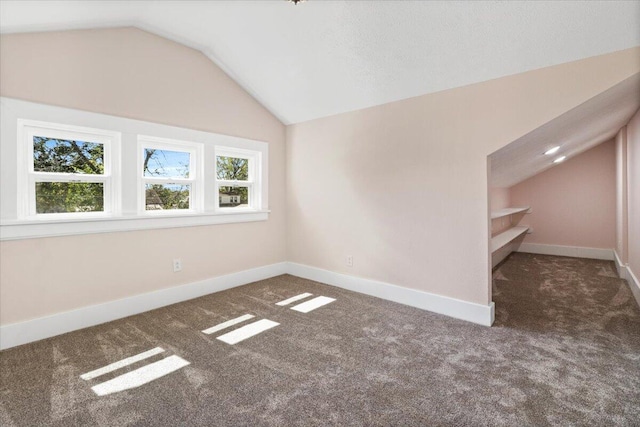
x=551, y=151
x=295, y=1
x=560, y=159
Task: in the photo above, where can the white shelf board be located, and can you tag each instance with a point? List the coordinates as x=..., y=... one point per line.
x=502, y=239
x=508, y=211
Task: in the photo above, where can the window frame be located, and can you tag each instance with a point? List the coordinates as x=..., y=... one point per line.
x=28, y=177
x=253, y=182
x=16, y=224
x=195, y=180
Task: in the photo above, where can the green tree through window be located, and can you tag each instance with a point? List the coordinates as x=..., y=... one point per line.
x=52, y=155
x=232, y=169
x=169, y=164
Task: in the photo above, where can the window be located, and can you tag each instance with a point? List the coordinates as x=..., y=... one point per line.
x=69, y=171
x=236, y=178
x=76, y=178
x=169, y=172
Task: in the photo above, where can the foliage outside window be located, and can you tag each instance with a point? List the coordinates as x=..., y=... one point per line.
x=168, y=176
x=67, y=175
x=234, y=174
x=75, y=180
x=56, y=156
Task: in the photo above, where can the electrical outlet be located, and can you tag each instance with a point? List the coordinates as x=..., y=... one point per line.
x=349, y=261
x=177, y=265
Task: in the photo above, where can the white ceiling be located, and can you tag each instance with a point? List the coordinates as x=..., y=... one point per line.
x=321, y=58
x=589, y=124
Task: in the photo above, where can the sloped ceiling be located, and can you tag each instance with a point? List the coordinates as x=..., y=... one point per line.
x=589, y=124
x=321, y=58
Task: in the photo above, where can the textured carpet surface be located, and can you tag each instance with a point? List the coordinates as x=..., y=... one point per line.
x=565, y=350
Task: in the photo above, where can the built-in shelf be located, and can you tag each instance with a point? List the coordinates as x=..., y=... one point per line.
x=507, y=236
x=501, y=240
x=508, y=211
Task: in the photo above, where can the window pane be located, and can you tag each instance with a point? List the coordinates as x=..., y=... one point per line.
x=166, y=163
x=232, y=168
x=231, y=197
x=58, y=197
x=166, y=196
x=67, y=156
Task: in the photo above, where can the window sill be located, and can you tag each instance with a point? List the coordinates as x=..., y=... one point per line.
x=38, y=228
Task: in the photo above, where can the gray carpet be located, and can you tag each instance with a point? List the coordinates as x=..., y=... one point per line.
x=565, y=350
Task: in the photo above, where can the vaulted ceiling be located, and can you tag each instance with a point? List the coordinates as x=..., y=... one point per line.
x=589, y=124
x=320, y=58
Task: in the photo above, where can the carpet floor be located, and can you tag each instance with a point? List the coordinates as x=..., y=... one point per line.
x=564, y=350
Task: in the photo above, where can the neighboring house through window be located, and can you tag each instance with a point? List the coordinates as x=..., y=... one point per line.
x=236, y=172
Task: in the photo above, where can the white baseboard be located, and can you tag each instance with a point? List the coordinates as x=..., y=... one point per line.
x=472, y=312
x=572, y=251
x=621, y=267
x=625, y=273
x=15, y=334
x=634, y=284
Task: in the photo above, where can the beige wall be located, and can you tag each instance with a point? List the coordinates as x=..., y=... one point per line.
x=622, y=213
x=573, y=203
x=402, y=187
x=633, y=189
x=131, y=73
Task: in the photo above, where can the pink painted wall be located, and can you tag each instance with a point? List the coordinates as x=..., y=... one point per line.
x=622, y=212
x=499, y=198
x=130, y=73
x=574, y=202
x=633, y=186
x=403, y=187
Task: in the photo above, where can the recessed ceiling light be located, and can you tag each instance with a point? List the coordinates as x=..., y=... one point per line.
x=560, y=159
x=552, y=150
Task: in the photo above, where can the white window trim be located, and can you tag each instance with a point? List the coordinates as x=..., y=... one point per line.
x=253, y=183
x=27, y=177
x=195, y=180
x=125, y=215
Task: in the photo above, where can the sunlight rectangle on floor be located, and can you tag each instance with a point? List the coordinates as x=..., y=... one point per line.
x=121, y=364
x=228, y=323
x=310, y=305
x=248, y=331
x=140, y=376
x=294, y=299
